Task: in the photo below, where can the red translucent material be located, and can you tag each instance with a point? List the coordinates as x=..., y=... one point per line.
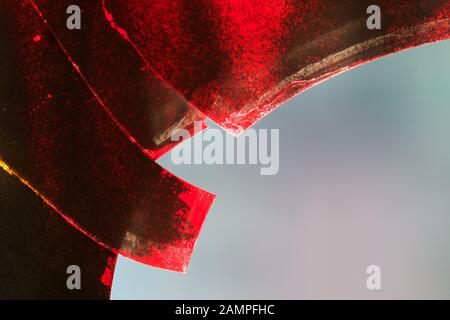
x=238, y=60
x=37, y=247
x=85, y=112
x=59, y=138
x=143, y=103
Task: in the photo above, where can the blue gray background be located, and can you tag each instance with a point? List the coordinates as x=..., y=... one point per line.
x=364, y=179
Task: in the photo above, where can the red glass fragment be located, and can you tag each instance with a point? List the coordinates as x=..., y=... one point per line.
x=59, y=138
x=144, y=104
x=238, y=60
x=37, y=247
x=82, y=112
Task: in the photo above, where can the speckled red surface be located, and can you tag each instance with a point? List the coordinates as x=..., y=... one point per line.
x=59, y=136
x=238, y=60
x=84, y=113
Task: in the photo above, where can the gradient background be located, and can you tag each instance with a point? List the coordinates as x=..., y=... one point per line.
x=364, y=179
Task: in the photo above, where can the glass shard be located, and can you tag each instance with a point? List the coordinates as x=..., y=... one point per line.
x=143, y=103
x=37, y=246
x=238, y=60
x=59, y=139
